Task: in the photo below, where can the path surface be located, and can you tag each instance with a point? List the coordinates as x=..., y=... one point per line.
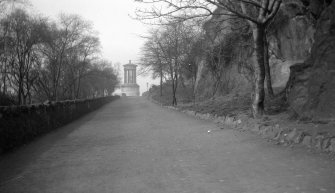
x=134, y=146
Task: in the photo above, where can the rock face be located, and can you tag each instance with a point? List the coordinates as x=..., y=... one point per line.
x=291, y=36
x=311, y=89
x=218, y=32
x=233, y=81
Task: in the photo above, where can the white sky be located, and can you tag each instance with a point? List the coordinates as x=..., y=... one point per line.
x=119, y=34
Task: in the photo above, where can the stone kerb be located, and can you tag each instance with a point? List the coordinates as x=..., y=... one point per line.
x=283, y=136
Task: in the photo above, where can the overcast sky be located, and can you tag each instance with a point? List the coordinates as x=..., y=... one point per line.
x=119, y=34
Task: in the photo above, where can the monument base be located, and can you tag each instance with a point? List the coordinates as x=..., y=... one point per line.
x=130, y=90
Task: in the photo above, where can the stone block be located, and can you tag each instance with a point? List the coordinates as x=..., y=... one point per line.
x=280, y=134
x=291, y=135
x=307, y=141
x=263, y=130
x=191, y=113
x=332, y=145
x=325, y=144
x=239, y=121
x=229, y=120
x=221, y=119
x=299, y=137
x=254, y=127
x=318, y=141
x=271, y=133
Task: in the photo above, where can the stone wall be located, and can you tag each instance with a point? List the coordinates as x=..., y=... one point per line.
x=21, y=124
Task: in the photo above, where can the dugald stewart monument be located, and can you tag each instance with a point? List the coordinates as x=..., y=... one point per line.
x=129, y=86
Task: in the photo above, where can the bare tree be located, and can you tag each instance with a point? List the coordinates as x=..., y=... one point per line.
x=167, y=52
x=67, y=48
x=45, y=60
x=79, y=58
x=23, y=37
x=6, y=59
x=169, y=45
x=152, y=57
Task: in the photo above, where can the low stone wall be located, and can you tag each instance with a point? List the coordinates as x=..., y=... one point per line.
x=285, y=136
x=21, y=124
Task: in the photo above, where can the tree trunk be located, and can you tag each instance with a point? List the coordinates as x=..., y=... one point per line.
x=174, y=99
x=173, y=93
x=161, y=82
x=193, y=90
x=78, y=88
x=19, y=95
x=4, y=89
x=259, y=76
x=267, y=68
x=20, y=89
x=175, y=89
x=216, y=87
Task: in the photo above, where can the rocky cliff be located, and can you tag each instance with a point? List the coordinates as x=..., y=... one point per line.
x=291, y=36
x=311, y=89
x=302, y=59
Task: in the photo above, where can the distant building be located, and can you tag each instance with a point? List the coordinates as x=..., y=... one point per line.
x=129, y=86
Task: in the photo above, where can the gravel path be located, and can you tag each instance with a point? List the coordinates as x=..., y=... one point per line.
x=134, y=146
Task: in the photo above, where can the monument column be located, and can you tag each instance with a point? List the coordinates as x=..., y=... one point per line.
x=131, y=76
x=125, y=76
x=128, y=76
